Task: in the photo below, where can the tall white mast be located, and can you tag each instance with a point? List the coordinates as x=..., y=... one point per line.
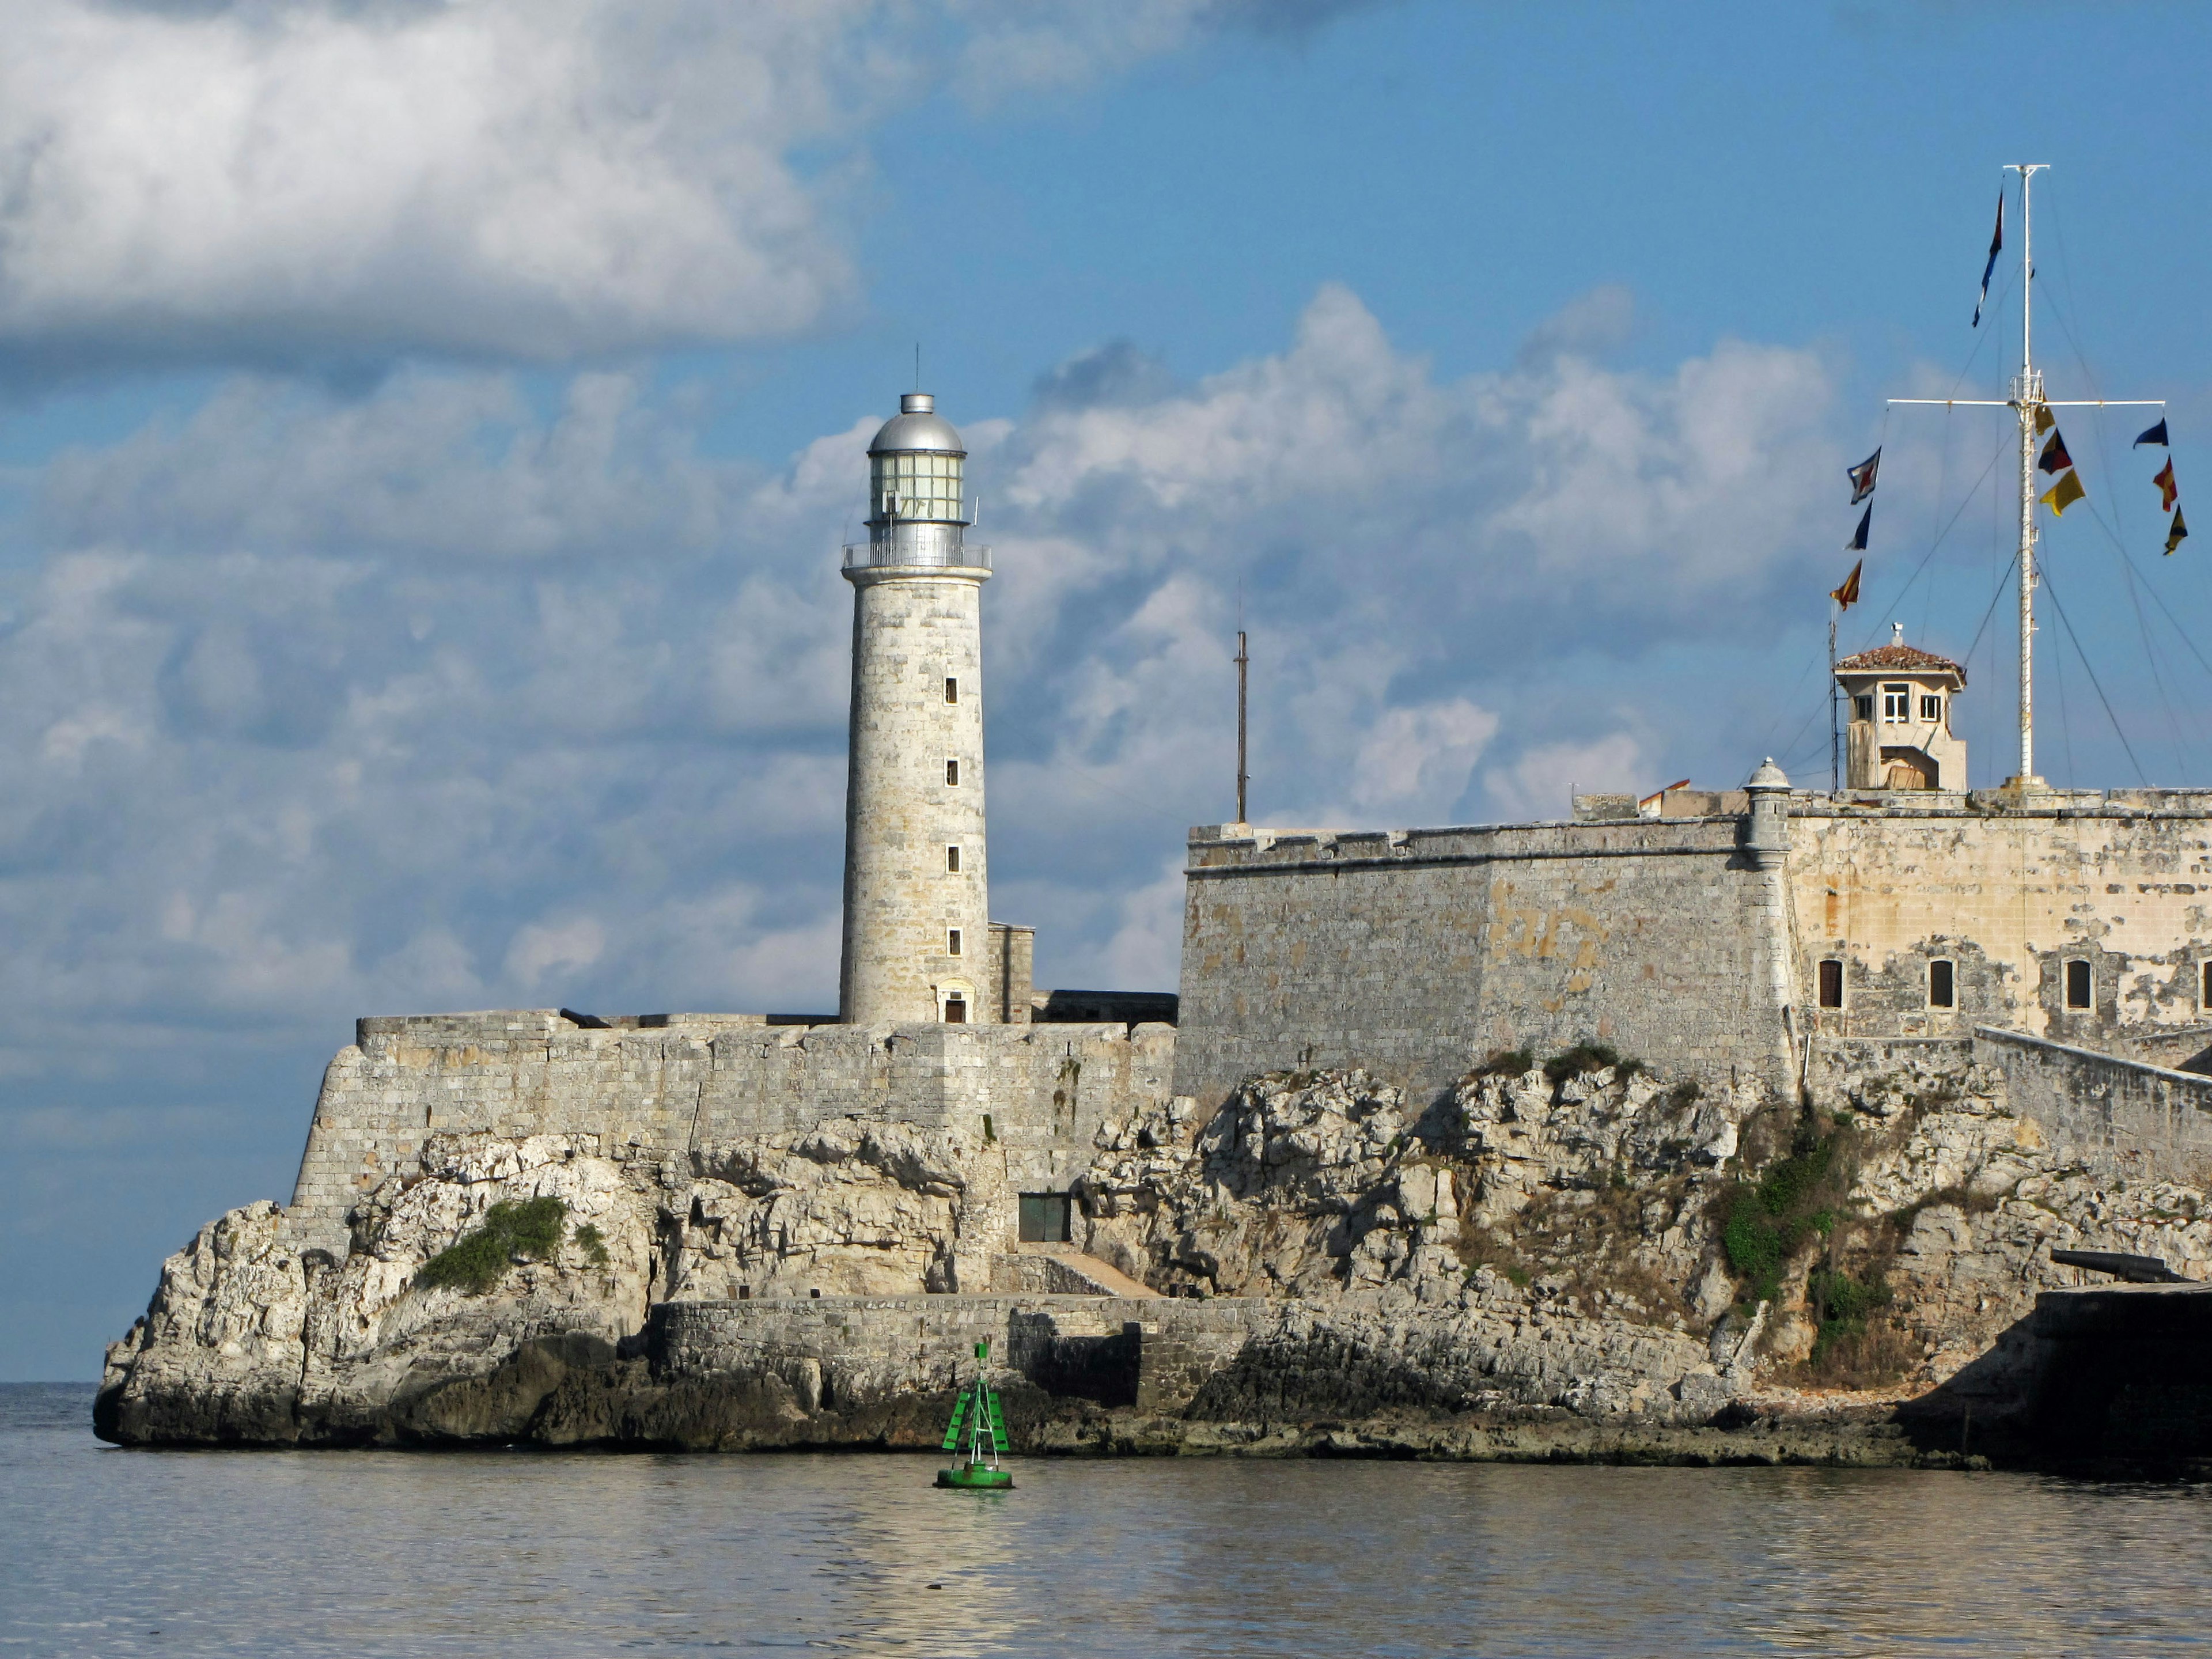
x=2026, y=395
x=2026, y=400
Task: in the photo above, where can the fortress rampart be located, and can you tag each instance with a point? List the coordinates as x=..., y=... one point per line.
x=2082, y=918
x=688, y=1080
x=1414, y=953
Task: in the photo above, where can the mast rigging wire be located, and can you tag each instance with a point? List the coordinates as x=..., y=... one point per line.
x=2044, y=577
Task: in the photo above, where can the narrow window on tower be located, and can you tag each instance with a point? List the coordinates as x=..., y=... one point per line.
x=1931, y=708
x=2077, y=985
x=1832, y=983
x=952, y=861
x=2204, y=972
x=952, y=772
x=952, y=942
x=1941, y=992
x=952, y=689
x=1863, y=708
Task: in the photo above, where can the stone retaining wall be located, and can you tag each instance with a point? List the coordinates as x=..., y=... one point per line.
x=1150, y=1353
x=1038, y=1093
x=2122, y=1116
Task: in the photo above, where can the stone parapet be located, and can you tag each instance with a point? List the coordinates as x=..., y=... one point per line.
x=1038, y=1093
x=2119, y=1116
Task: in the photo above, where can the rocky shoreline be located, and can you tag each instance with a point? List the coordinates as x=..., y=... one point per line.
x=1568, y=1261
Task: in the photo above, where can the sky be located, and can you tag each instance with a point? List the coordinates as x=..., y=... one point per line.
x=426, y=431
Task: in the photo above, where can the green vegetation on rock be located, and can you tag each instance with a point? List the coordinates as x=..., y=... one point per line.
x=512, y=1232
x=593, y=1246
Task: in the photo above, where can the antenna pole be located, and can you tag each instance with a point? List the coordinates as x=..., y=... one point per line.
x=2028, y=397
x=1835, y=739
x=1243, y=660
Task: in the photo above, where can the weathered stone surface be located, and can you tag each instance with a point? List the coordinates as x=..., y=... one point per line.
x=1520, y=1246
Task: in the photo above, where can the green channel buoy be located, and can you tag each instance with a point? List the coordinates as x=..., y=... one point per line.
x=979, y=1424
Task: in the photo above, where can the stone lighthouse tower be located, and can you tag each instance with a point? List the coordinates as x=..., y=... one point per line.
x=917, y=934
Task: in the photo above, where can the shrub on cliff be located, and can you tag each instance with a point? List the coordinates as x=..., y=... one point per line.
x=511, y=1232
x=1586, y=1057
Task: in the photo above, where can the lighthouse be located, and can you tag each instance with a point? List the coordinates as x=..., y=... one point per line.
x=917, y=944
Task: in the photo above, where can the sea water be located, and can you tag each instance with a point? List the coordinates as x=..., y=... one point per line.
x=363, y=1553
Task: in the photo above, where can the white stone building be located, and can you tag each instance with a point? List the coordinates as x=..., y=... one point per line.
x=1899, y=701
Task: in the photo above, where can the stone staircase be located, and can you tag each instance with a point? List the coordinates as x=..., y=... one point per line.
x=1061, y=1270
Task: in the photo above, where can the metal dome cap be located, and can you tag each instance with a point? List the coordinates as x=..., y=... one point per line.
x=917, y=428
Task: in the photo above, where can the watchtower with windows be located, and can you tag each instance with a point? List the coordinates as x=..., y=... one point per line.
x=918, y=942
x=1899, y=698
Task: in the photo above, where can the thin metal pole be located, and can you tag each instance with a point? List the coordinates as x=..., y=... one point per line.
x=1241, y=661
x=1835, y=738
x=2026, y=397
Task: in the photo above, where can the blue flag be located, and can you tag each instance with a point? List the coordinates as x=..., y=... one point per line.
x=1858, y=541
x=1996, y=244
x=2155, y=435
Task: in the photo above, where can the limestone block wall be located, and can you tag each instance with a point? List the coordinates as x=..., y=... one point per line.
x=2009, y=895
x=1415, y=953
x=841, y=1351
x=2117, y=1115
x=667, y=1088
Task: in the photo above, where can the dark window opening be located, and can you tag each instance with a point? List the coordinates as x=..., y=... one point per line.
x=2077, y=985
x=1931, y=708
x=952, y=861
x=1832, y=984
x=952, y=772
x=1044, y=1219
x=952, y=689
x=2207, y=998
x=1863, y=708
x=1940, y=991
x=956, y=1010
x=952, y=942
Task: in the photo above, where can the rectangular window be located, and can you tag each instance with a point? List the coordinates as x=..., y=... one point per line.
x=2205, y=971
x=1863, y=708
x=1931, y=708
x=1897, y=705
x=1941, y=992
x=952, y=772
x=952, y=942
x=2077, y=985
x=1832, y=983
x=952, y=861
x=956, y=1010
x=952, y=689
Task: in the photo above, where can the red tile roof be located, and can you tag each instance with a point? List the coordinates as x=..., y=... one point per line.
x=1906, y=658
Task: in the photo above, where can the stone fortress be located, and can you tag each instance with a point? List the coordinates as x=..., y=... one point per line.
x=833, y=1208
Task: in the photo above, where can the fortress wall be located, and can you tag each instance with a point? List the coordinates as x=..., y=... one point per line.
x=698, y=1078
x=2009, y=896
x=1416, y=953
x=2120, y=1117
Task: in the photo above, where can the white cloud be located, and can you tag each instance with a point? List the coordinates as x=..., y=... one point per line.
x=540, y=948
x=417, y=698
x=527, y=179
x=1420, y=758
x=1538, y=784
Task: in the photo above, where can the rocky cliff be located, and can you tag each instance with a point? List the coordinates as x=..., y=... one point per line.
x=1572, y=1258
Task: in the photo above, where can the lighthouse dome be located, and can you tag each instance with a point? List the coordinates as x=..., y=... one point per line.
x=917, y=429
